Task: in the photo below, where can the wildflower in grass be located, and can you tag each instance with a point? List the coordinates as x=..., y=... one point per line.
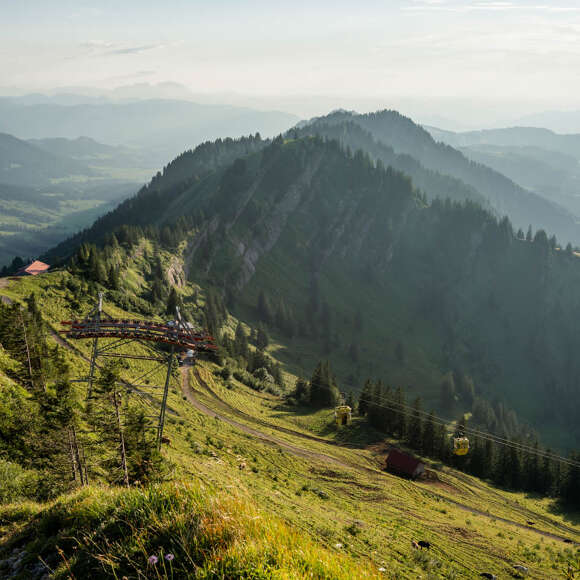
x=169, y=557
x=339, y=545
x=153, y=560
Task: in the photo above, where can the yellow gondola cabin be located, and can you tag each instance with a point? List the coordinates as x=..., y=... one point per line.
x=460, y=445
x=343, y=415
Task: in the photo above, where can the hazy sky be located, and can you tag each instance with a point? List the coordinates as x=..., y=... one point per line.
x=499, y=52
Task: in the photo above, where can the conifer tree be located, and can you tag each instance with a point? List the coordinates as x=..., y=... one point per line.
x=323, y=389
x=375, y=409
x=428, y=447
x=415, y=426
x=447, y=393
x=264, y=308
x=143, y=458
x=302, y=391
x=262, y=340
x=241, y=342
x=570, y=489
x=105, y=417
x=529, y=234
x=350, y=401
x=364, y=397
x=400, y=419
x=173, y=301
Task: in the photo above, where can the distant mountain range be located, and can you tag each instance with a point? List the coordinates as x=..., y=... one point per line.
x=539, y=160
x=560, y=121
x=50, y=188
x=22, y=163
x=417, y=152
x=162, y=127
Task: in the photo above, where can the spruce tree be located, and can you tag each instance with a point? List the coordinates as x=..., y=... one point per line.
x=264, y=308
x=262, y=340
x=241, y=342
x=447, y=393
x=400, y=419
x=323, y=389
x=375, y=410
x=364, y=398
x=350, y=401
x=173, y=302
x=415, y=426
x=570, y=488
x=428, y=446
x=302, y=391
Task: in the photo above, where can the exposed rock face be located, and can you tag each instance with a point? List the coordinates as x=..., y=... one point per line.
x=176, y=273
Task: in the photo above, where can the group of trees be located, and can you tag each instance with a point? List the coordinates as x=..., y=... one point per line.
x=252, y=365
x=321, y=391
x=508, y=465
x=47, y=428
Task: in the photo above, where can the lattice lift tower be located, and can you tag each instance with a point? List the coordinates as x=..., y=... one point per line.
x=178, y=334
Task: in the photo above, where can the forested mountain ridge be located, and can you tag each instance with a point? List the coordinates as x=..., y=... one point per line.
x=347, y=260
x=150, y=203
x=505, y=197
x=433, y=183
x=537, y=159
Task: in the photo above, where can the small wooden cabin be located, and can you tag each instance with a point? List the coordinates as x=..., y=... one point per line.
x=403, y=464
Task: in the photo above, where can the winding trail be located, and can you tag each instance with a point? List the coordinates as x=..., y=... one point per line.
x=269, y=439
x=329, y=459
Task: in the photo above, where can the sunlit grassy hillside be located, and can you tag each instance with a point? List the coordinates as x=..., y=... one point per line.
x=257, y=489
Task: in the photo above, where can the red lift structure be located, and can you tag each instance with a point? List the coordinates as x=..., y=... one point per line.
x=178, y=334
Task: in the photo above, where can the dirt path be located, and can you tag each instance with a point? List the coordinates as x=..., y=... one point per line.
x=227, y=407
x=270, y=439
x=301, y=452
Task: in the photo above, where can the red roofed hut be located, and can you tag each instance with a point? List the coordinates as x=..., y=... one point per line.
x=33, y=269
x=403, y=464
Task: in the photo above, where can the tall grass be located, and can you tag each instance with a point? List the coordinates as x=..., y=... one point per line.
x=176, y=530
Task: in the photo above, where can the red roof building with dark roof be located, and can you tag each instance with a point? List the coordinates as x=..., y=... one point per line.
x=403, y=464
x=33, y=269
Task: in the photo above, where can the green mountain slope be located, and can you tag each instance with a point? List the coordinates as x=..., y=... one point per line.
x=505, y=197
x=346, y=261
x=246, y=486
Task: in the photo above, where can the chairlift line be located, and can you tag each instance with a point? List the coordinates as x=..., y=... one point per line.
x=489, y=437
x=409, y=411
